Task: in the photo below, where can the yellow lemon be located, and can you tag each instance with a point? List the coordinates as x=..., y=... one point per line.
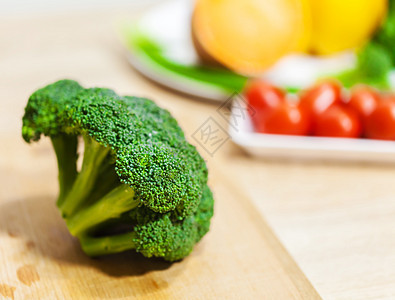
x=342, y=24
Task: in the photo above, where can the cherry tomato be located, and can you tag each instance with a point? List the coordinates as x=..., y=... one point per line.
x=285, y=119
x=262, y=96
x=338, y=121
x=364, y=101
x=380, y=124
x=321, y=97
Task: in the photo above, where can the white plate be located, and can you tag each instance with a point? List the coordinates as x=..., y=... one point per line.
x=169, y=26
x=304, y=147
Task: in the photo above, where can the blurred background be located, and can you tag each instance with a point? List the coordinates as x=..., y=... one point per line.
x=299, y=95
x=37, y=6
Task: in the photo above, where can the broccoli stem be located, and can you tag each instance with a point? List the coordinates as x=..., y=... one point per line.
x=119, y=200
x=106, y=181
x=65, y=147
x=94, y=155
x=96, y=246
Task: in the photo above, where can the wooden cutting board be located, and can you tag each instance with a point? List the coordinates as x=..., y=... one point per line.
x=239, y=259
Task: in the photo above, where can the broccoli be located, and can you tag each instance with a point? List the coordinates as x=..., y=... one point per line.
x=141, y=185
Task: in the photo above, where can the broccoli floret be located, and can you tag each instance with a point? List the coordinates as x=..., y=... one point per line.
x=138, y=171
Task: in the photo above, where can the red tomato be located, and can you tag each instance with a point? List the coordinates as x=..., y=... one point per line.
x=381, y=122
x=320, y=97
x=263, y=96
x=338, y=121
x=285, y=119
x=364, y=101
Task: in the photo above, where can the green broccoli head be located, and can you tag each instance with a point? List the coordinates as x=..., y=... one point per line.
x=136, y=158
x=156, y=169
x=44, y=111
x=166, y=236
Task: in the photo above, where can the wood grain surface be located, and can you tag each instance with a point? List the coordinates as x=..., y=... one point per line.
x=336, y=220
